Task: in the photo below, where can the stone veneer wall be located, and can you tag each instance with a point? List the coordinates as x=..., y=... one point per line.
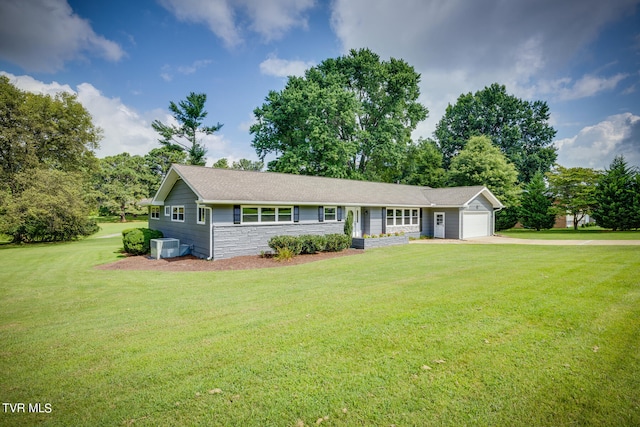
x=378, y=242
x=237, y=240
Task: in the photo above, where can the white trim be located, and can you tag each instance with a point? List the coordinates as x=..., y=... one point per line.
x=157, y=213
x=167, y=211
x=435, y=225
x=175, y=213
x=324, y=213
x=199, y=210
x=259, y=213
x=400, y=220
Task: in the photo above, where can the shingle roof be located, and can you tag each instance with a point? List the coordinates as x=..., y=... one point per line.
x=232, y=186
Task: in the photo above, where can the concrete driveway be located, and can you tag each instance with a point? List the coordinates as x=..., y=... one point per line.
x=502, y=240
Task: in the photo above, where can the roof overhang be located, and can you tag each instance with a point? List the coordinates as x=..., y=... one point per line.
x=167, y=184
x=489, y=195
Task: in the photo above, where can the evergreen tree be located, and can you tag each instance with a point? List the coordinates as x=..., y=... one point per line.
x=617, y=197
x=536, y=205
x=190, y=114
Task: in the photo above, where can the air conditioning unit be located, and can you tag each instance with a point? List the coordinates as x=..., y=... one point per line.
x=165, y=247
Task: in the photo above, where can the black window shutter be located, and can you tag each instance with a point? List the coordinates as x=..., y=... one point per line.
x=236, y=214
x=321, y=213
x=384, y=220
x=339, y=213
x=296, y=214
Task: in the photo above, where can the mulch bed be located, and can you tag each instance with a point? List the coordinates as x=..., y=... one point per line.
x=191, y=263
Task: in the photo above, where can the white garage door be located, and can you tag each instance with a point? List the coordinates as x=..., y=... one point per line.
x=476, y=224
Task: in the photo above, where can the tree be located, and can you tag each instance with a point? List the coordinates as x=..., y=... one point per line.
x=122, y=182
x=574, y=191
x=519, y=128
x=616, y=196
x=536, y=205
x=46, y=206
x=222, y=163
x=421, y=165
x=190, y=114
x=248, y=165
x=43, y=131
x=481, y=163
x=348, y=117
x=159, y=161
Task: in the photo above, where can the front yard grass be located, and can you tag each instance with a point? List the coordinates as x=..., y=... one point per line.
x=587, y=233
x=408, y=335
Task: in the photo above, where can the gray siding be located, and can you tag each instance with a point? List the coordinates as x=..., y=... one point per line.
x=189, y=232
x=479, y=204
x=372, y=220
x=236, y=240
x=451, y=222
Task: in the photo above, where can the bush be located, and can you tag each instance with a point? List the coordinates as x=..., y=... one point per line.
x=284, y=254
x=293, y=243
x=337, y=242
x=136, y=240
x=312, y=244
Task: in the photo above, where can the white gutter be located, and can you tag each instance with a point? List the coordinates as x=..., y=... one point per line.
x=210, y=233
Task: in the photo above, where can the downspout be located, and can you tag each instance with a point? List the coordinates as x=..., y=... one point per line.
x=210, y=234
x=495, y=211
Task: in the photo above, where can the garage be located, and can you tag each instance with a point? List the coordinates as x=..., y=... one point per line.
x=476, y=224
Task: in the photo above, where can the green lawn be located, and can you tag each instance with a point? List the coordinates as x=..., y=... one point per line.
x=412, y=335
x=589, y=233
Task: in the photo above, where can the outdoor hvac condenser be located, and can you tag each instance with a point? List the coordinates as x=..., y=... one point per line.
x=165, y=247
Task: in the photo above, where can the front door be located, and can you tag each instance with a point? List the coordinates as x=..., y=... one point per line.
x=438, y=225
x=357, y=227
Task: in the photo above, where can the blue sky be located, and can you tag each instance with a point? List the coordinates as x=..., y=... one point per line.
x=127, y=60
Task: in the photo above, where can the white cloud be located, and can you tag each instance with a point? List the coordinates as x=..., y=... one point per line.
x=596, y=146
x=271, y=19
x=41, y=35
x=124, y=128
x=195, y=66
x=273, y=66
x=460, y=46
x=566, y=89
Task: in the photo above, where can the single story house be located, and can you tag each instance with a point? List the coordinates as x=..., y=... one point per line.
x=224, y=213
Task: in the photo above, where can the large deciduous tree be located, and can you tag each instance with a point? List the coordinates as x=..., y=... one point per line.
x=189, y=114
x=123, y=180
x=348, y=117
x=519, y=128
x=422, y=165
x=481, y=163
x=574, y=191
x=43, y=131
x=617, y=197
x=47, y=206
x=536, y=202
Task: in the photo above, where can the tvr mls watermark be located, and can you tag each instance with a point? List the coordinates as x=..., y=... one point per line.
x=31, y=408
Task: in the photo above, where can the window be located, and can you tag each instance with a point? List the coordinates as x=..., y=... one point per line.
x=330, y=213
x=403, y=216
x=167, y=211
x=260, y=214
x=284, y=214
x=155, y=212
x=202, y=215
x=177, y=213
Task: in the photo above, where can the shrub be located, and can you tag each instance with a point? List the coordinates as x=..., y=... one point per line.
x=293, y=243
x=337, y=242
x=284, y=254
x=312, y=243
x=136, y=240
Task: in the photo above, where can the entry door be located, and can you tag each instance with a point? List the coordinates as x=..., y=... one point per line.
x=438, y=225
x=357, y=227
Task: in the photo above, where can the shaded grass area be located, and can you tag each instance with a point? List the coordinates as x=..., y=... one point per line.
x=410, y=335
x=587, y=233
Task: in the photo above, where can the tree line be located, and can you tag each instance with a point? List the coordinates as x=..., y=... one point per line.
x=348, y=117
